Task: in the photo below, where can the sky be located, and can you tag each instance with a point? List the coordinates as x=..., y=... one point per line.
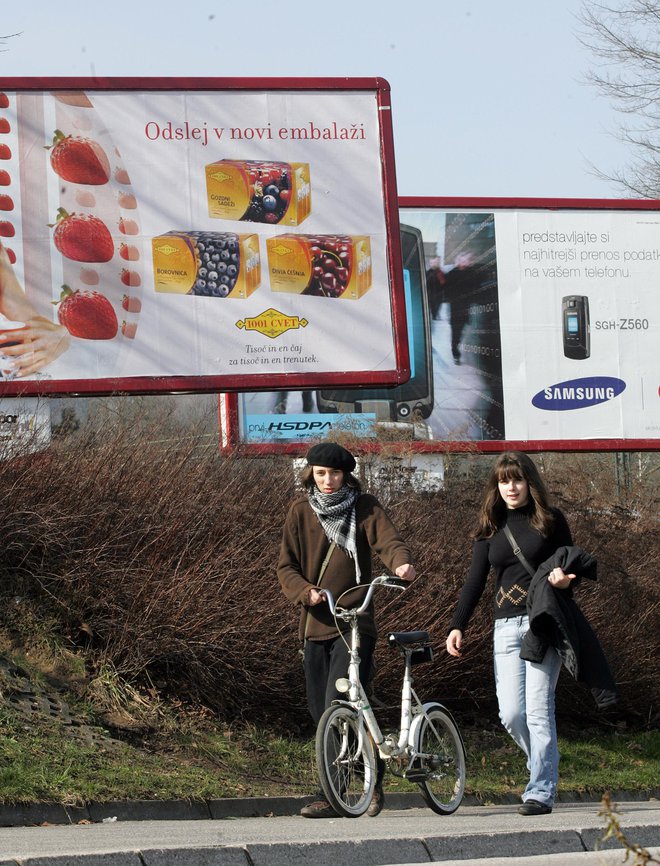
x=489, y=97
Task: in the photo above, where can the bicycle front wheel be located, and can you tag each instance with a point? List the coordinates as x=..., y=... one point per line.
x=441, y=755
x=345, y=760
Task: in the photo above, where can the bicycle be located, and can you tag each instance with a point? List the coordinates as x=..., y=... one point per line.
x=427, y=749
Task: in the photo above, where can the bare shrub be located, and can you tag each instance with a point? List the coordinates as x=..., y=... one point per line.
x=158, y=553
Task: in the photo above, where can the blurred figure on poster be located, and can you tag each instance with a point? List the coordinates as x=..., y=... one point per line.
x=329, y=536
x=28, y=342
x=435, y=287
x=461, y=282
x=282, y=398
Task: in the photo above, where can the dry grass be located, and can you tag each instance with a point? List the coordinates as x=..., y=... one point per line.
x=138, y=540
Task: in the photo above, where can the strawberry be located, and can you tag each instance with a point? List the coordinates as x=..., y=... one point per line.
x=121, y=175
x=129, y=252
x=4, y=100
x=4, y=125
x=88, y=314
x=5, y=179
x=127, y=200
x=79, y=160
x=11, y=255
x=131, y=305
x=130, y=278
x=6, y=202
x=7, y=230
x=89, y=276
x=128, y=329
x=82, y=237
x=85, y=198
x=73, y=97
x=5, y=151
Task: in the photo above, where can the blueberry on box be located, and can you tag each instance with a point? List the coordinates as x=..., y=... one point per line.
x=207, y=264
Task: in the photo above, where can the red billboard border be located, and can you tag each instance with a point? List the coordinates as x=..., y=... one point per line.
x=228, y=403
x=209, y=384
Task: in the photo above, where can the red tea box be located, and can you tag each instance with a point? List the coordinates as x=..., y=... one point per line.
x=328, y=266
x=277, y=193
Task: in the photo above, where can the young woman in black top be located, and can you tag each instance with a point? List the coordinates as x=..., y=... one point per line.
x=515, y=496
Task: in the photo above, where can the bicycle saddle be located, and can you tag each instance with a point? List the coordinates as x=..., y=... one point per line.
x=404, y=638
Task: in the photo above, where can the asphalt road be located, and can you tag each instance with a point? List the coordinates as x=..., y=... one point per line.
x=394, y=838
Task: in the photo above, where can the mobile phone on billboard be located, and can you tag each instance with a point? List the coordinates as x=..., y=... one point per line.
x=413, y=400
x=576, y=326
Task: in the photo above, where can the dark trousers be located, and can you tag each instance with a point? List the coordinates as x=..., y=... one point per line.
x=325, y=661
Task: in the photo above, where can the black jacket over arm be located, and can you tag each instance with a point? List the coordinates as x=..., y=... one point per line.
x=556, y=620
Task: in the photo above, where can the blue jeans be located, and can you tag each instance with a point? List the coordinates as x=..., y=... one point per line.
x=526, y=698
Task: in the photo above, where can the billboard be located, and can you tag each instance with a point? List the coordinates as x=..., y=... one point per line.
x=544, y=332
x=198, y=234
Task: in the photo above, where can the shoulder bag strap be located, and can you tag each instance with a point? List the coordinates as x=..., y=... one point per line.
x=517, y=550
x=322, y=569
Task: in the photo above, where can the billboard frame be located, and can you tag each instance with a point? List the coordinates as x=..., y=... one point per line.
x=214, y=383
x=228, y=409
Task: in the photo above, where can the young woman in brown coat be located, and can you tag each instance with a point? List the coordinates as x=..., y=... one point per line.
x=329, y=535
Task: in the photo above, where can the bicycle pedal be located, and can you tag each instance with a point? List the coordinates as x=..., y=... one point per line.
x=416, y=775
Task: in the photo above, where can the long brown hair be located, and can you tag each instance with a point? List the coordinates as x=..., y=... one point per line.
x=307, y=479
x=514, y=465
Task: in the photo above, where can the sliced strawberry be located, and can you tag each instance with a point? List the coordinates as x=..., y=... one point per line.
x=130, y=278
x=4, y=100
x=5, y=179
x=4, y=125
x=6, y=202
x=82, y=237
x=128, y=227
x=88, y=315
x=130, y=304
x=7, y=230
x=5, y=152
x=129, y=329
x=79, y=160
x=129, y=253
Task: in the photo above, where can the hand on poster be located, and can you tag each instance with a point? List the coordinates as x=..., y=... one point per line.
x=38, y=342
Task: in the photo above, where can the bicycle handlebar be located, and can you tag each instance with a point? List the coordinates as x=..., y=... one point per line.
x=381, y=580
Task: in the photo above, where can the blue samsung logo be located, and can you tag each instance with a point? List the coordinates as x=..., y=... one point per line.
x=578, y=393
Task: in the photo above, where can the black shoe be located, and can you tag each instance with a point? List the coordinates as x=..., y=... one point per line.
x=377, y=802
x=533, y=807
x=318, y=809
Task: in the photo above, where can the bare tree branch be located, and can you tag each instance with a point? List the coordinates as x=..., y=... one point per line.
x=624, y=39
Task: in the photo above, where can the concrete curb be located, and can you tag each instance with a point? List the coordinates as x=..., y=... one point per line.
x=363, y=852
x=34, y=814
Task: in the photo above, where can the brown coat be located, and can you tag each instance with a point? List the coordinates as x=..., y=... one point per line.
x=303, y=549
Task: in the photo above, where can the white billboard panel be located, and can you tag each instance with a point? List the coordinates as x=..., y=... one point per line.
x=544, y=333
x=197, y=235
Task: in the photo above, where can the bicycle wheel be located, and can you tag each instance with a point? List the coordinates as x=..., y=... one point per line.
x=345, y=760
x=442, y=758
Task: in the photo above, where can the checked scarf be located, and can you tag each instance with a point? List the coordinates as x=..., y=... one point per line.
x=336, y=514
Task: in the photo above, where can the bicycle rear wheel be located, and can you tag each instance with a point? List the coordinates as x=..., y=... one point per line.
x=442, y=757
x=346, y=761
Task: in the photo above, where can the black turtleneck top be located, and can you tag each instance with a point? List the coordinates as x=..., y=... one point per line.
x=512, y=578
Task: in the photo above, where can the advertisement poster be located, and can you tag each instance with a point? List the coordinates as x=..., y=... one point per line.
x=544, y=331
x=24, y=426
x=198, y=238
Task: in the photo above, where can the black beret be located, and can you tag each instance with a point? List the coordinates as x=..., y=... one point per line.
x=332, y=455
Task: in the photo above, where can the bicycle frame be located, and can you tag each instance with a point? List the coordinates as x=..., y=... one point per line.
x=388, y=747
